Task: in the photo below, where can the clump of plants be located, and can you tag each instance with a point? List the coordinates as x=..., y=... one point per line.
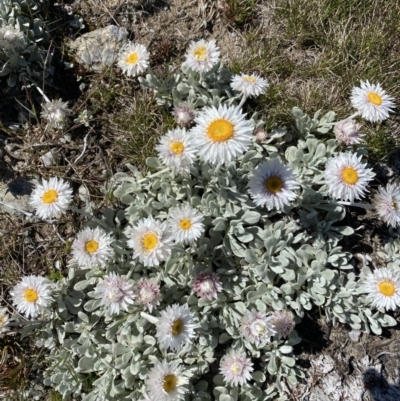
x=192, y=289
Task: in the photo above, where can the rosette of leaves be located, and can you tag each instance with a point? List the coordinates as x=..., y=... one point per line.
x=24, y=60
x=190, y=87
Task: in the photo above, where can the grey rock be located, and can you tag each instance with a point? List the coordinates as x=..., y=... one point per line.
x=14, y=197
x=99, y=48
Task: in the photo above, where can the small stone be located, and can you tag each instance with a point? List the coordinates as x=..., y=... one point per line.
x=99, y=48
x=355, y=335
x=15, y=196
x=49, y=159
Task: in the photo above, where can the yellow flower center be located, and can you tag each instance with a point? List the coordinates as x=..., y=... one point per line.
x=177, y=147
x=50, y=196
x=273, y=184
x=169, y=383
x=177, y=327
x=374, y=98
x=260, y=328
x=349, y=175
x=185, y=224
x=220, y=130
x=1, y=319
x=31, y=295
x=132, y=58
x=200, y=53
x=394, y=204
x=386, y=288
x=91, y=246
x=250, y=79
x=236, y=368
x=150, y=241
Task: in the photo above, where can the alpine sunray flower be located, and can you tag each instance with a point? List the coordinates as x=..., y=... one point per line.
x=185, y=224
x=249, y=85
x=134, y=59
x=222, y=134
x=51, y=198
x=387, y=204
x=202, y=56
x=236, y=368
x=175, y=326
x=32, y=295
x=372, y=102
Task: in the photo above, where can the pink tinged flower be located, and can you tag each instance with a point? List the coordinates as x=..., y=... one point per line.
x=387, y=204
x=236, y=368
x=347, y=131
x=147, y=293
x=207, y=285
x=283, y=323
x=183, y=114
x=256, y=327
x=115, y=293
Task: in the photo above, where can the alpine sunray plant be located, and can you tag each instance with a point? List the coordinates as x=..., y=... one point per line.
x=211, y=313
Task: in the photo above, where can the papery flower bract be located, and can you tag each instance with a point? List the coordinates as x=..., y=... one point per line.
x=4, y=320
x=115, y=293
x=346, y=177
x=272, y=185
x=177, y=151
x=175, y=326
x=56, y=112
x=11, y=38
x=183, y=114
x=165, y=382
x=150, y=241
x=32, y=295
x=236, y=368
x=372, y=102
x=221, y=134
x=202, y=56
x=91, y=247
x=283, y=323
x=134, y=59
x=347, y=131
x=185, y=224
x=383, y=288
x=147, y=293
x=249, y=85
x=207, y=285
x=387, y=204
x=256, y=327
x=51, y=198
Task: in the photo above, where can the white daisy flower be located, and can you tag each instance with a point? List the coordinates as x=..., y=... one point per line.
x=272, y=185
x=249, y=85
x=346, y=177
x=236, y=368
x=56, y=112
x=387, y=204
x=4, y=320
x=150, y=241
x=185, y=224
x=91, y=247
x=256, y=327
x=348, y=131
x=134, y=59
x=222, y=134
x=166, y=382
x=283, y=323
x=207, y=285
x=51, y=198
x=183, y=114
x=177, y=151
x=383, y=288
x=32, y=295
x=11, y=38
x=202, y=55
x=372, y=102
x=175, y=326
x=147, y=293
x=115, y=293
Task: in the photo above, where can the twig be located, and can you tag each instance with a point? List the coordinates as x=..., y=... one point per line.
x=84, y=148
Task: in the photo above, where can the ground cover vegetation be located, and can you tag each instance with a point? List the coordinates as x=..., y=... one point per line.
x=192, y=205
